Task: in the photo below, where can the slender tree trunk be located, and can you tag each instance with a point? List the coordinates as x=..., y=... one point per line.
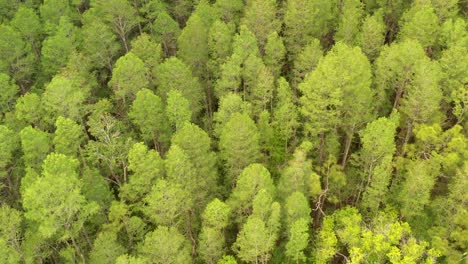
x=349, y=139
x=407, y=137
x=78, y=250
x=322, y=144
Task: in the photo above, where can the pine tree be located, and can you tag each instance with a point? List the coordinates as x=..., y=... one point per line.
x=239, y=145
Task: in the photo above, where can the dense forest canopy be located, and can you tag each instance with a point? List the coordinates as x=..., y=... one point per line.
x=233, y=131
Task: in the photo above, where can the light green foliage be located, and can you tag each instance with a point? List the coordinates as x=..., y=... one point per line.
x=453, y=32
x=147, y=113
x=261, y=18
x=227, y=260
x=51, y=11
x=173, y=74
x=99, y=43
x=258, y=235
x=298, y=240
x=126, y=259
x=296, y=208
x=446, y=9
x=396, y=68
x=8, y=144
x=57, y=48
x=96, y=189
x=167, y=204
x=17, y=56
x=454, y=65
x=106, y=248
x=120, y=16
x=54, y=200
x=212, y=240
x=415, y=191
x=27, y=22
x=245, y=51
x=196, y=144
x=229, y=104
x=229, y=10
x=285, y=113
x=35, y=145
x=448, y=147
x=297, y=219
x=10, y=235
x=166, y=31
x=349, y=21
x=28, y=108
x=239, y=145
x=263, y=90
x=179, y=170
x=326, y=241
x=150, y=52
x=375, y=158
x=219, y=46
x=128, y=77
x=146, y=166
x=178, y=109
x=420, y=22
x=131, y=228
x=275, y=53
x=348, y=226
x=192, y=45
x=68, y=136
x=249, y=183
x=325, y=104
x=306, y=61
x=372, y=35
x=421, y=102
x=9, y=93
x=165, y=245
x=305, y=20
x=299, y=176
x=63, y=97
x=110, y=148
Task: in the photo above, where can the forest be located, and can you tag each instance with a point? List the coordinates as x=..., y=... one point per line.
x=233, y=131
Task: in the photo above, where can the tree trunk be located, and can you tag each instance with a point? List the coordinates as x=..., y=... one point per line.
x=349, y=139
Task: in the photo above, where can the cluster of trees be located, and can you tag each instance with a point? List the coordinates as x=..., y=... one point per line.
x=233, y=131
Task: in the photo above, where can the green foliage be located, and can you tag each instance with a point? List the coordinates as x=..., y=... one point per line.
x=306, y=61
x=63, y=96
x=147, y=113
x=350, y=20
x=253, y=178
x=165, y=245
x=57, y=48
x=371, y=38
x=239, y=145
x=146, y=166
x=68, y=136
x=178, y=109
x=166, y=31
x=17, y=57
x=99, y=43
x=9, y=93
x=54, y=200
x=173, y=74
x=167, y=204
x=35, y=145
x=106, y=248
x=128, y=77
x=225, y=131
x=212, y=240
x=305, y=20
x=261, y=18
x=10, y=235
